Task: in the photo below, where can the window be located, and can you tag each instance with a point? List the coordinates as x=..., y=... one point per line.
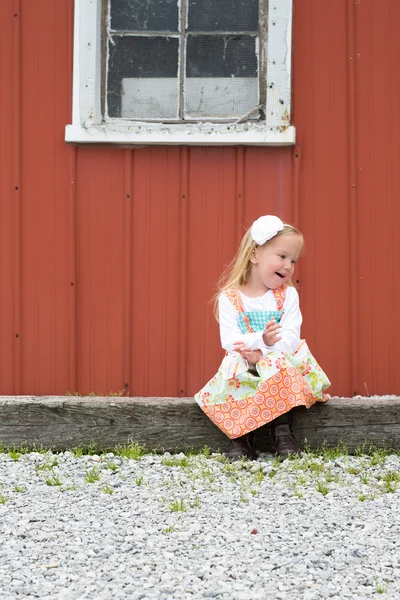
x=182, y=72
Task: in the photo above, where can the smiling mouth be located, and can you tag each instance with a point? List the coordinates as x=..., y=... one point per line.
x=279, y=275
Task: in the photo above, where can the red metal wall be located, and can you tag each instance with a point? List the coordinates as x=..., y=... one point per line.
x=108, y=257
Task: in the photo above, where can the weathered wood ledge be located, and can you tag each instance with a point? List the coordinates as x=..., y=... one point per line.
x=177, y=423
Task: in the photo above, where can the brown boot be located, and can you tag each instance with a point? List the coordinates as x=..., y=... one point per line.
x=282, y=435
x=241, y=447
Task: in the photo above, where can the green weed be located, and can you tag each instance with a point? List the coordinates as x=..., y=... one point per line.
x=175, y=461
x=378, y=457
x=322, y=488
x=381, y=587
x=19, y=488
x=82, y=450
x=259, y=477
x=170, y=529
x=92, y=475
x=298, y=493
x=111, y=465
x=53, y=480
x=133, y=451
x=177, y=505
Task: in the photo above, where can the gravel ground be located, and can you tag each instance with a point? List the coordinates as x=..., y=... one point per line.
x=175, y=527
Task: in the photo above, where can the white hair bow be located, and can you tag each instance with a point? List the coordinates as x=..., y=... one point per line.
x=265, y=228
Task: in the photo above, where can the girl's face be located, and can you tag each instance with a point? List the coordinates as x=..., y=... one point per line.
x=273, y=263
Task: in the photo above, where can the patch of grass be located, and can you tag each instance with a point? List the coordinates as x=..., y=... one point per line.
x=221, y=458
x=316, y=467
x=46, y=466
x=107, y=489
x=69, y=488
x=82, y=450
x=389, y=487
x=301, y=479
x=15, y=452
x=276, y=462
x=329, y=453
x=133, y=451
x=92, y=475
x=205, y=451
x=326, y=452
x=19, y=488
x=175, y=461
x=259, y=477
x=177, y=505
x=391, y=476
x=111, y=465
x=364, y=479
x=53, y=480
x=322, y=488
x=207, y=475
x=139, y=480
x=170, y=529
x=3, y=499
x=378, y=457
x=272, y=473
x=331, y=478
x=196, y=503
x=354, y=470
x=298, y=493
x=381, y=587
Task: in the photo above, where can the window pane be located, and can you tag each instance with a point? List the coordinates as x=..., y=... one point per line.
x=221, y=76
x=221, y=56
x=144, y=15
x=137, y=66
x=223, y=15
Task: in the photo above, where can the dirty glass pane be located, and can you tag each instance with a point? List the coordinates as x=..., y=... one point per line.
x=223, y=15
x=221, y=76
x=143, y=77
x=221, y=56
x=144, y=15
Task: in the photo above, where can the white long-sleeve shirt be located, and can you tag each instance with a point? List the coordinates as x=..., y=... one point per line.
x=291, y=322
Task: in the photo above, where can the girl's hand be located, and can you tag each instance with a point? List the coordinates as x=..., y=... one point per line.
x=252, y=356
x=271, y=333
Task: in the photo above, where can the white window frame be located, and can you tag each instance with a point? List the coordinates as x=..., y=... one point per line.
x=89, y=127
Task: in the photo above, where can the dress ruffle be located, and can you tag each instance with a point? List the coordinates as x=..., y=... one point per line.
x=239, y=401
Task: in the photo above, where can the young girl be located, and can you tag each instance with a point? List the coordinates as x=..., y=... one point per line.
x=268, y=370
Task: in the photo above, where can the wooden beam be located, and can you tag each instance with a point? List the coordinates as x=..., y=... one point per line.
x=178, y=423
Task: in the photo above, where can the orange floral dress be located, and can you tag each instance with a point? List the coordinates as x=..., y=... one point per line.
x=238, y=400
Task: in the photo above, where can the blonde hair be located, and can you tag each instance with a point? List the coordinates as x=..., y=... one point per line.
x=238, y=271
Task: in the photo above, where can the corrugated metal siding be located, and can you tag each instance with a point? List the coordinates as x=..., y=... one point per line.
x=109, y=256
